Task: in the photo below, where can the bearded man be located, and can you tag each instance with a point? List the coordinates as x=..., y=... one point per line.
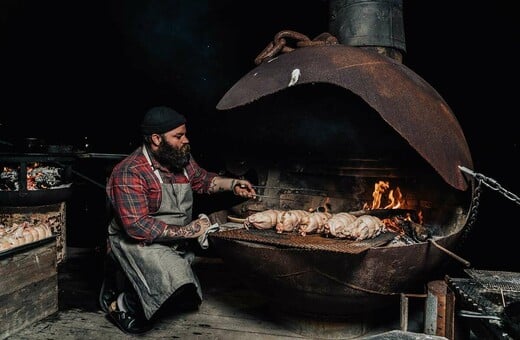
x=149, y=237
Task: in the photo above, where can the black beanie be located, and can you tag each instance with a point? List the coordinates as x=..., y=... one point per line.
x=161, y=119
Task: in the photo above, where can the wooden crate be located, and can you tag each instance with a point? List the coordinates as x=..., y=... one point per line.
x=28, y=285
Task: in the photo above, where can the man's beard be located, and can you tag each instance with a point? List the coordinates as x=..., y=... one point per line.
x=171, y=157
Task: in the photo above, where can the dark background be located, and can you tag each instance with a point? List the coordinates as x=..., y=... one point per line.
x=71, y=70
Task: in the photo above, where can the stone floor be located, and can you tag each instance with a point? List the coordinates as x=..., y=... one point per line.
x=229, y=311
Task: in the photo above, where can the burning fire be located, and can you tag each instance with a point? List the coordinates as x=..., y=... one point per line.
x=394, y=196
x=38, y=177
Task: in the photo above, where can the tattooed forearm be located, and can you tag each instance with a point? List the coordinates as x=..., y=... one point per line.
x=213, y=185
x=221, y=184
x=174, y=232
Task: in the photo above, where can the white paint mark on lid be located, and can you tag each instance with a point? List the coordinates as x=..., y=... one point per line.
x=295, y=75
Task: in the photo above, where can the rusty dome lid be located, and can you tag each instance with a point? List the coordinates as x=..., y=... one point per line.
x=403, y=99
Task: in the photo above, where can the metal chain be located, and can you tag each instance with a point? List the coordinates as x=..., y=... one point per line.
x=472, y=217
x=492, y=184
x=281, y=41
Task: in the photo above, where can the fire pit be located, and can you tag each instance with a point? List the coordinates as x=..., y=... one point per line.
x=297, y=167
x=326, y=123
x=29, y=179
x=314, y=275
x=338, y=278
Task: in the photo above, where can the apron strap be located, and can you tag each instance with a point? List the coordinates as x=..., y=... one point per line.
x=155, y=171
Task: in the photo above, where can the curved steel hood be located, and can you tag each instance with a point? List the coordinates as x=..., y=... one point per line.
x=403, y=99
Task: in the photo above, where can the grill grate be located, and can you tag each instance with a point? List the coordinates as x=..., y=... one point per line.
x=311, y=242
x=496, y=280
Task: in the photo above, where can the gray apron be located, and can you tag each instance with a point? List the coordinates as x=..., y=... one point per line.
x=156, y=270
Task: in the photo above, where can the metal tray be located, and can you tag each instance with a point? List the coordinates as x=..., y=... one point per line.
x=34, y=197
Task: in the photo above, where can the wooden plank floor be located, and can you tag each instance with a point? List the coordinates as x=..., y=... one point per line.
x=229, y=310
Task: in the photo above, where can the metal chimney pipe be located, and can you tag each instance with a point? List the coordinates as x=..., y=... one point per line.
x=370, y=24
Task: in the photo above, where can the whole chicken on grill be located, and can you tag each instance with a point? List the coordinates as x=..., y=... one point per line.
x=290, y=219
x=263, y=220
x=313, y=222
x=336, y=222
x=362, y=228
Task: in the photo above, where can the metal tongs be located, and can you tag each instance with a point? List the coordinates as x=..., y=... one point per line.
x=288, y=189
x=256, y=187
x=257, y=195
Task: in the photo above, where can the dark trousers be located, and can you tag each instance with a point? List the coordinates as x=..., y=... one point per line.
x=184, y=299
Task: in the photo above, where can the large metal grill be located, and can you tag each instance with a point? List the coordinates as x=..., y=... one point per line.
x=496, y=280
x=308, y=242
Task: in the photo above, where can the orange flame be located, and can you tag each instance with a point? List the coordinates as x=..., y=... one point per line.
x=395, y=197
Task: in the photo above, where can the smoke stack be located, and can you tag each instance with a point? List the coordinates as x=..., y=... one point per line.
x=374, y=25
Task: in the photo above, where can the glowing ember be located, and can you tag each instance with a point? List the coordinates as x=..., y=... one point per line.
x=38, y=177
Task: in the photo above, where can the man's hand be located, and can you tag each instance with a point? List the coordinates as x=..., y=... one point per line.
x=243, y=188
x=239, y=187
x=197, y=227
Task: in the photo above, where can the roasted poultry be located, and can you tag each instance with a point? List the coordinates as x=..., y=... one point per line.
x=313, y=223
x=263, y=220
x=290, y=219
x=362, y=228
x=337, y=222
x=341, y=225
x=23, y=233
